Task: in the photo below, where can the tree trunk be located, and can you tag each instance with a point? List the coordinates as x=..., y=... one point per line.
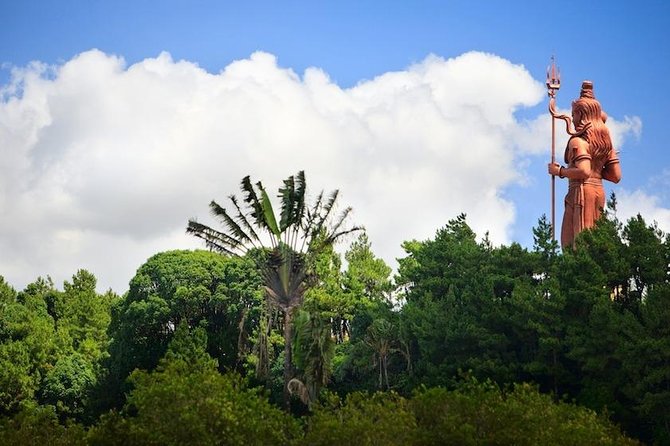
x=288, y=356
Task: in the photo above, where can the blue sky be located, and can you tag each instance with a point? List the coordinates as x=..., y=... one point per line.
x=622, y=46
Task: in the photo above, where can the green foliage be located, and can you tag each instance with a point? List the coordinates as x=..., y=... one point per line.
x=286, y=253
x=457, y=304
x=82, y=317
x=18, y=380
x=39, y=426
x=7, y=294
x=187, y=401
x=313, y=353
x=453, y=262
x=648, y=356
x=195, y=287
x=68, y=384
x=376, y=355
x=367, y=276
x=362, y=419
x=52, y=344
x=474, y=414
x=481, y=414
x=28, y=347
x=589, y=325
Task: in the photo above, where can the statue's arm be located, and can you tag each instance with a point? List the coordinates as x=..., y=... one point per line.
x=579, y=151
x=577, y=154
x=612, y=169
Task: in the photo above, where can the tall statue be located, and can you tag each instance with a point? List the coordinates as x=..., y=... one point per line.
x=589, y=158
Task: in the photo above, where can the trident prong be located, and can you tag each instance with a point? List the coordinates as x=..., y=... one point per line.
x=553, y=78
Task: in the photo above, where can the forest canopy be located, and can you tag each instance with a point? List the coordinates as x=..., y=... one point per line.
x=468, y=343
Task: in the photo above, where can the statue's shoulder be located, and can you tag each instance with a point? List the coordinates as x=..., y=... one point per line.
x=577, y=149
x=578, y=142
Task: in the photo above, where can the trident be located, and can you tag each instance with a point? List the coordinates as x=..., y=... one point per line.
x=553, y=84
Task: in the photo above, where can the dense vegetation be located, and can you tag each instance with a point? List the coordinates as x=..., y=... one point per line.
x=467, y=344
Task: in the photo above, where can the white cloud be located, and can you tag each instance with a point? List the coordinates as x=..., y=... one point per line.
x=102, y=164
x=630, y=204
x=622, y=130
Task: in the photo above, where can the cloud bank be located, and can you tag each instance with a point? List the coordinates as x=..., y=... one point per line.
x=102, y=164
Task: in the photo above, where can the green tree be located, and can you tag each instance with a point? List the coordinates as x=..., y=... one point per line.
x=68, y=384
x=646, y=255
x=481, y=414
x=37, y=426
x=81, y=318
x=367, y=276
x=52, y=344
x=28, y=347
x=453, y=318
x=288, y=242
x=191, y=286
x=646, y=364
x=362, y=419
x=314, y=350
x=185, y=400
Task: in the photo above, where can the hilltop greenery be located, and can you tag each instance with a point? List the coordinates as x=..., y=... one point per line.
x=468, y=343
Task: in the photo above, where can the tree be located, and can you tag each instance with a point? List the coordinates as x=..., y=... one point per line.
x=383, y=418
x=185, y=400
x=68, y=384
x=191, y=286
x=453, y=317
x=284, y=247
x=646, y=255
x=367, y=276
x=648, y=365
x=480, y=413
x=81, y=318
x=28, y=347
x=38, y=425
x=52, y=344
x=314, y=350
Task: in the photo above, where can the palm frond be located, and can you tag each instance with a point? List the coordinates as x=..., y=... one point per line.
x=335, y=236
x=308, y=222
x=287, y=195
x=324, y=212
x=300, y=189
x=334, y=232
x=214, y=239
x=269, y=218
x=252, y=200
x=230, y=223
x=335, y=227
x=243, y=220
x=298, y=207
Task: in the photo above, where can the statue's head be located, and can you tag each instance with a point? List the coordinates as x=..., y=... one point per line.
x=587, y=110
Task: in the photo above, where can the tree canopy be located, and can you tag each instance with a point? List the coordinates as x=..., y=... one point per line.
x=468, y=343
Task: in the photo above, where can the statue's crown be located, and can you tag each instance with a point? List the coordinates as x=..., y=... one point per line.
x=587, y=90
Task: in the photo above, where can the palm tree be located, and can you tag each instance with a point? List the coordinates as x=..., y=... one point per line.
x=314, y=353
x=284, y=248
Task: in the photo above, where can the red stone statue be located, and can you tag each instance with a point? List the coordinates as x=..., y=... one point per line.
x=589, y=158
